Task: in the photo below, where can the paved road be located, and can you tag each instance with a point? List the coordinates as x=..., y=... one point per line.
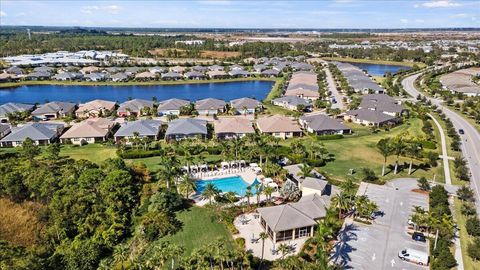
x=332, y=87
x=446, y=166
x=470, y=140
x=376, y=246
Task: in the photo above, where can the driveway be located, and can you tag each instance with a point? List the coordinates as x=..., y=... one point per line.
x=376, y=246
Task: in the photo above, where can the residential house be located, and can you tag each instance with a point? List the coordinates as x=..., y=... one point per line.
x=321, y=125
x=236, y=67
x=4, y=130
x=194, y=75
x=210, y=106
x=95, y=108
x=201, y=69
x=54, y=110
x=38, y=75
x=382, y=103
x=40, y=133
x=171, y=76
x=178, y=69
x=302, y=66
x=171, y=106
x=67, y=76
x=232, y=127
x=135, y=107
x=145, y=76
x=119, y=77
x=217, y=74
x=95, y=77
x=44, y=69
x=112, y=70
x=239, y=73
x=279, y=126
x=259, y=67
x=10, y=107
x=293, y=103
x=14, y=70
x=270, y=73
x=156, y=70
x=370, y=117
x=131, y=71
x=246, y=105
x=142, y=128
x=89, y=69
x=88, y=131
x=186, y=128
x=216, y=68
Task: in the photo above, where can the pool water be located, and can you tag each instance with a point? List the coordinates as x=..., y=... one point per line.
x=227, y=184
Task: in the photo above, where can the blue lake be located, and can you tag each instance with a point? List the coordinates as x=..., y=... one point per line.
x=226, y=91
x=379, y=70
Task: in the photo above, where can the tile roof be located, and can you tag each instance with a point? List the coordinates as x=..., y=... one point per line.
x=89, y=128
x=241, y=103
x=236, y=125
x=143, y=127
x=135, y=105
x=54, y=107
x=14, y=107
x=187, y=126
x=321, y=122
x=209, y=104
x=172, y=104
x=34, y=131
x=277, y=123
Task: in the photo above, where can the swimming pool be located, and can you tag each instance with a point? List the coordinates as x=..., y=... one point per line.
x=227, y=184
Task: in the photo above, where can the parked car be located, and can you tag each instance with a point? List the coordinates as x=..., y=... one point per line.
x=418, y=236
x=461, y=131
x=414, y=256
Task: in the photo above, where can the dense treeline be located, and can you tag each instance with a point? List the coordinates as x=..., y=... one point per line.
x=87, y=207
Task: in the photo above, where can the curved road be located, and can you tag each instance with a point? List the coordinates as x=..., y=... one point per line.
x=470, y=140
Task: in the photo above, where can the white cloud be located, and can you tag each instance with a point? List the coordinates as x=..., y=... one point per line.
x=112, y=9
x=215, y=2
x=440, y=4
x=3, y=14
x=404, y=21
x=459, y=15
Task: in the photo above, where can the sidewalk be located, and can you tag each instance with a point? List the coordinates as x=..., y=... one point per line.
x=446, y=165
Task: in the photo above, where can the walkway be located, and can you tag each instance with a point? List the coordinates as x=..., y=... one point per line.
x=446, y=165
x=333, y=88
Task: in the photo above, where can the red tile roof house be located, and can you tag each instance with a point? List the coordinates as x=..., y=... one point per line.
x=134, y=107
x=279, y=126
x=232, y=127
x=88, y=131
x=95, y=108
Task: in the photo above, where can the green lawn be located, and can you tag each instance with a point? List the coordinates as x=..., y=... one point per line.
x=359, y=151
x=465, y=239
x=153, y=163
x=92, y=152
x=199, y=228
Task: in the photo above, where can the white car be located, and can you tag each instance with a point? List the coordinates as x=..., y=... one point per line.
x=414, y=256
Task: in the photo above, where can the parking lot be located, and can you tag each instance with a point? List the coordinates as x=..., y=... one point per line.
x=376, y=246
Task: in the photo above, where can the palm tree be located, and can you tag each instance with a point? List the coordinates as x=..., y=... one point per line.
x=398, y=148
x=248, y=194
x=263, y=236
x=168, y=170
x=210, y=191
x=268, y=190
x=188, y=184
x=305, y=171
x=283, y=248
x=385, y=150
x=136, y=139
x=258, y=192
x=120, y=255
x=414, y=151
x=341, y=202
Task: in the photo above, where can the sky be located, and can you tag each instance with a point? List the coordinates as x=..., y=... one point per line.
x=244, y=13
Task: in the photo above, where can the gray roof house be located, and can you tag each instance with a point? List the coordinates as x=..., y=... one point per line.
x=14, y=70
x=171, y=76
x=67, y=76
x=132, y=70
x=382, y=103
x=145, y=128
x=53, y=110
x=199, y=68
x=194, y=75
x=40, y=133
x=43, y=69
x=10, y=107
x=95, y=77
x=171, y=106
x=270, y=73
x=184, y=128
x=370, y=117
x=292, y=102
x=293, y=220
x=119, y=77
x=239, y=73
x=133, y=107
x=322, y=124
x=4, y=130
x=302, y=66
x=210, y=106
x=38, y=75
x=245, y=105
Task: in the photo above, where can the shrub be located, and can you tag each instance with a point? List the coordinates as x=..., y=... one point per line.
x=473, y=226
x=474, y=249
x=132, y=154
x=468, y=209
x=329, y=137
x=240, y=242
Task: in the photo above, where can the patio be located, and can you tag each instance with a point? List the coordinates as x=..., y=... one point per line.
x=249, y=228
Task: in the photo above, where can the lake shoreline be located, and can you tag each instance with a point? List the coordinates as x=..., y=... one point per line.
x=14, y=85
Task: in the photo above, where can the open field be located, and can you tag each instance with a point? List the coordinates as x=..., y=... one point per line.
x=203, y=54
x=18, y=222
x=465, y=239
x=93, y=152
x=378, y=62
x=135, y=83
x=199, y=229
